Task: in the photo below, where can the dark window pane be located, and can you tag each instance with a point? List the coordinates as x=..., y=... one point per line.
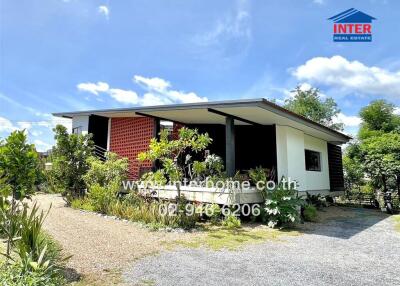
x=313, y=160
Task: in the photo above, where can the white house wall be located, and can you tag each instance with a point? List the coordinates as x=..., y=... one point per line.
x=317, y=181
x=290, y=149
x=82, y=123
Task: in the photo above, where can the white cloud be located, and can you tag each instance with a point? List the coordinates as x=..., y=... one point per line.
x=230, y=35
x=397, y=110
x=6, y=125
x=347, y=120
x=354, y=76
x=104, y=10
x=124, y=96
x=159, y=90
x=154, y=83
x=41, y=146
x=94, y=88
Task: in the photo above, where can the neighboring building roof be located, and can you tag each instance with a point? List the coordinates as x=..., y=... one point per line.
x=352, y=16
x=257, y=111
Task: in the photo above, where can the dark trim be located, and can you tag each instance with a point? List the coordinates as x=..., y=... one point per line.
x=233, y=116
x=158, y=118
x=157, y=128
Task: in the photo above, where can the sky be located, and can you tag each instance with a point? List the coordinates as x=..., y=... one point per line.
x=69, y=55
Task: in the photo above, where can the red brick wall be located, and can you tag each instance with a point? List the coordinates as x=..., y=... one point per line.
x=129, y=136
x=175, y=130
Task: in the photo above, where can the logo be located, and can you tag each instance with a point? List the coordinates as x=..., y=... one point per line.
x=352, y=26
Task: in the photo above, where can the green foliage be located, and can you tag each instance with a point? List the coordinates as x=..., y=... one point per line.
x=16, y=275
x=101, y=198
x=231, y=222
x=315, y=200
x=258, y=174
x=309, y=104
x=105, y=173
x=157, y=177
x=199, y=169
x=378, y=117
x=353, y=168
x=83, y=204
x=19, y=166
x=213, y=212
x=282, y=207
x=172, y=153
x=381, y=157
x=310, y=213
x=70, y=161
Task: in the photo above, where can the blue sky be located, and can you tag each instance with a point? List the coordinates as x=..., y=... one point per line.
x=75, y=55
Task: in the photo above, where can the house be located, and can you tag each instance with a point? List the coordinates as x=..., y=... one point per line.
x=246, y=134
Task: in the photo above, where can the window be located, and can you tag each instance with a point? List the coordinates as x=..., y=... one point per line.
x=313, y=161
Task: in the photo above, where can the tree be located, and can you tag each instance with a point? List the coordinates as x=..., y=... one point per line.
x=378, y=118
x=70, y=161
x=19, y=168
x=173, y=154
x=353, y=169
x=381, y=158
x=309, y=104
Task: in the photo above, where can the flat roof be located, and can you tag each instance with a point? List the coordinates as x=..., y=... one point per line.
x=245, y=111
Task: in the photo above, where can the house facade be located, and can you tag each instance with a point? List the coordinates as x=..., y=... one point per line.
x=246, y=134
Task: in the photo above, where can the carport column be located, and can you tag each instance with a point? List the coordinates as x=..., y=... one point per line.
x=230, y=146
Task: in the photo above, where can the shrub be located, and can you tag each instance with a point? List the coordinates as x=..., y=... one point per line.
x=16, y=275
x=315, y=200
x=82, y=204
x=231, y=222
x=282, y=207
x=258, y=174
x=101, y=198
x=310, y=213
x=105, y=173
x=213, y=212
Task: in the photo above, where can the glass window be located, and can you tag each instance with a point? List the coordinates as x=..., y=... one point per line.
x=313, y=160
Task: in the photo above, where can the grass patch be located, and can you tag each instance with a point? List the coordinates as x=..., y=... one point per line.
x=218, y=238
x=397, y=222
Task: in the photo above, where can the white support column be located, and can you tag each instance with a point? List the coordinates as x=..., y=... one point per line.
x=108, y=134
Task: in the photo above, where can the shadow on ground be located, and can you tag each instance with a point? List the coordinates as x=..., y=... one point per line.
x=344, y=222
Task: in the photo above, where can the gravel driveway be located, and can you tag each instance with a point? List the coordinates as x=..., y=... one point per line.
x=351, y=247
x=99, y=246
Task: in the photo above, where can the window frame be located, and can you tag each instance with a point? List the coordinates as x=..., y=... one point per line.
x=307, y=167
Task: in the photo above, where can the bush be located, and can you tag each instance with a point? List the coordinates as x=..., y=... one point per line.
x=282, y=207
x=82, y=204
x=16, y=275
x=101, y=198
x=315, y=200
x=258, y=174
x=231, y=222
x=310, y=213
x=105, y=173
x=213, y=212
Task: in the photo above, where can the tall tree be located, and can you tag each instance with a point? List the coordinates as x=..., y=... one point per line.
x=378, y=117
x=310, y=104
x=70, y=161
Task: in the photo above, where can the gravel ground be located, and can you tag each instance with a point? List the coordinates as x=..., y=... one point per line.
x=350, y=247
x=99, y=245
